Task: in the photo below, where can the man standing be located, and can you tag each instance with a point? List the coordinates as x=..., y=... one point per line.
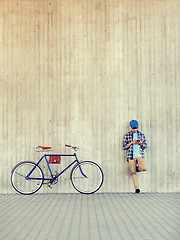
x=135, y=143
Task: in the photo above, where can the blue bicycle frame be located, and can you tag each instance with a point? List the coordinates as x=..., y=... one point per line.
x=47, y=162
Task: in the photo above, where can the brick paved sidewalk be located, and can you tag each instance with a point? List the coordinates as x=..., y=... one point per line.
x=94, y=217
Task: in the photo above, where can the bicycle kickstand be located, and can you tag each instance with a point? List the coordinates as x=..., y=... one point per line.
x=50, y=185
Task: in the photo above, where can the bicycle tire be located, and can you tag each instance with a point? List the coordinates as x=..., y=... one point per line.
x=90, y=184
x=19, y=181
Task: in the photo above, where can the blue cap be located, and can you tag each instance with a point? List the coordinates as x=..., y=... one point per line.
x=133, y=124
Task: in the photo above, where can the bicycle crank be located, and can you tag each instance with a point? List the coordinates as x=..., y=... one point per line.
x=53, y=181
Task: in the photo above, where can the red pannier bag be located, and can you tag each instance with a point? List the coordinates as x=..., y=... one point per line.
x=55, y=159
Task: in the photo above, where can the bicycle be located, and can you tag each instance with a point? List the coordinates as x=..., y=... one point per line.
x=27, y=177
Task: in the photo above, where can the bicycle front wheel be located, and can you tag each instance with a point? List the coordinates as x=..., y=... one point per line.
x=23, y=184
x=89, y=180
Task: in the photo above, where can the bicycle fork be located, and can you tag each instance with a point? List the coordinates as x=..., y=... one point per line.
x=79, y=166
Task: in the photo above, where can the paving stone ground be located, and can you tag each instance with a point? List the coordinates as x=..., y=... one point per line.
x=99, y=216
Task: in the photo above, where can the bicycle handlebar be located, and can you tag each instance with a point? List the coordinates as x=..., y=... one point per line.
x=68, y=145
x=75, y=148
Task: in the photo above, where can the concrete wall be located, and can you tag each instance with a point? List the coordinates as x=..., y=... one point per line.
x=75, y=72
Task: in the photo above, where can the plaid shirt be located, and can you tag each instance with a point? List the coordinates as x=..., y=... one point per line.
x=128, y=137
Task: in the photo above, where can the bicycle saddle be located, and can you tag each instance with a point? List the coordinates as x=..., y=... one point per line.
x=44, y=148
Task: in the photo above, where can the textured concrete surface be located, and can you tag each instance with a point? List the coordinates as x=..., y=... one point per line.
x=77, y=71
x=99, y=216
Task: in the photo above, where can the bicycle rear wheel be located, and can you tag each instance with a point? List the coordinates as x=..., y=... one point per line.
x=91, y=182
x=24, y=185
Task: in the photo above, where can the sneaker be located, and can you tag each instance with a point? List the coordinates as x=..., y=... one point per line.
x=137, y=190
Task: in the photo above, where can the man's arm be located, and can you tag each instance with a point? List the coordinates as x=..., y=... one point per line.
x=143, y=143
x=131, y=143
x=127, y=145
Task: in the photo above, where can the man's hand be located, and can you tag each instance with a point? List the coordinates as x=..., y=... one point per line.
x=140, y=143
x=135, y=142
x=131, y=143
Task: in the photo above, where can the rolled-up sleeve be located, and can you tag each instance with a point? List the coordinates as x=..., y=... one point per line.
x=125, y=143
x=144, y=146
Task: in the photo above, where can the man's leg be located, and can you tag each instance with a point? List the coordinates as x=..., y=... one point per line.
x=132, y=166
x=141, y=165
